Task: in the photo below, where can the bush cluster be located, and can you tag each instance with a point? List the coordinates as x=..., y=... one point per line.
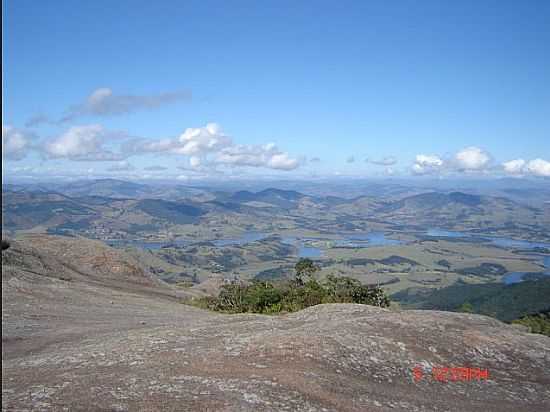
x=537, y=323
x=293, y=295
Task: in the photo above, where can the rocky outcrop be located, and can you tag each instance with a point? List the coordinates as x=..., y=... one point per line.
x=84, y=344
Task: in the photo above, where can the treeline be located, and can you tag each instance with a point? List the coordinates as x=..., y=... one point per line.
x=498, y=300
x=292, y=295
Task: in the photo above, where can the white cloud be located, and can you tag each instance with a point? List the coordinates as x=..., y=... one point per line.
x=514, y=167
x=210, y=146
x=427, y=164
x=472, y=158
x=538, y=167
x=81, y=143
x=77, y=141
x=268, y=156
x=282, y=161
x=15, y=143
x=202, y=140
x=469, y=159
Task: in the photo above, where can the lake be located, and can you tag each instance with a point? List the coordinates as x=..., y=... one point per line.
x=495, y=240
x=353, y=240
x=508, y=278
x=515, y=277
x=368, y=239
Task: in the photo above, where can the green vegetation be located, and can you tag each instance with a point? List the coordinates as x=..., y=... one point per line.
x=293, y=295
x=537, y=323
x=504, y=302
x=466, y=307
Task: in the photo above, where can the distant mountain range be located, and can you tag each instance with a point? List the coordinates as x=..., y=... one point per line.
x=118, y=207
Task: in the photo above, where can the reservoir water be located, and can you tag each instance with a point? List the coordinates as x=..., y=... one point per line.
x=307, y=248
x=508, y=278
x=495, y=240
x=515, y=277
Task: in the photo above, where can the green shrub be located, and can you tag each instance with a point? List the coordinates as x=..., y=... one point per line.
x=538, y=323
x=260, y=296
x=466, y=307
x=293, y=295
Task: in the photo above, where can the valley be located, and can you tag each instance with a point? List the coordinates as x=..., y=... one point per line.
x=414, y=244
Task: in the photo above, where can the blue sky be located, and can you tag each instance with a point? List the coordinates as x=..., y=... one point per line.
x=276, y=88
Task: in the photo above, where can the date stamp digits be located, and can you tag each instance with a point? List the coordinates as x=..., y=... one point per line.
x=451, y=374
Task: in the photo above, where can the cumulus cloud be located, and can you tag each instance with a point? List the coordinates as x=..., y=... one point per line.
x=209, y=145
x=535, y=167
x=472, y=159
x=514, y=167
x=204, y=148
x=81, y=143
x=268, y=156
x=468, y=160
x=539, y=167
x=427, y=164
x=202, y=140
x=15, y=143
x=282, y=161
x=386, y=161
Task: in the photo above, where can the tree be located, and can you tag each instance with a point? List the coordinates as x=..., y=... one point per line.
x=341, y=288
x=305, y=268
x=368, y=295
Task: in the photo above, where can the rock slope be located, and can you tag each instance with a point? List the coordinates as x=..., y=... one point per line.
x=85, y=328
